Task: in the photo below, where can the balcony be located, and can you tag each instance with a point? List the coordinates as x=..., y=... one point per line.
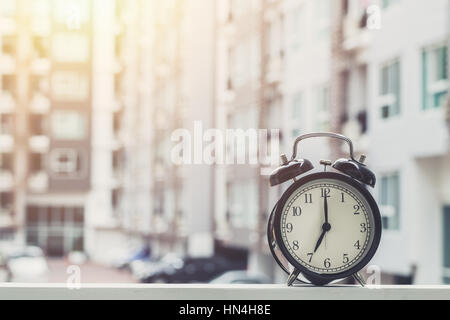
x=41, y=26
x=7, y=64
x=65, y=291
x=40, y=104
x=7, y=102
x=39, y=144
x=40, y=66
x=356, y=37
x=6, y=143
x=8, y=25
x=6, y=180
x=38, y=182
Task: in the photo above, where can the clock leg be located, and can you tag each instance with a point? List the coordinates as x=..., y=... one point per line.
x=292, y=277
x=359, y=279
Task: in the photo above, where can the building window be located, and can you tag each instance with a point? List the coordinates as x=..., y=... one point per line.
x=323, y=18
x=297, y=110
x=66, y=163
x=297, y=27
x=6, y=200
x=446, y=245
x=388, y=3
x=243, y=203
x=37, y=162
x=37, y=124
x=6, y=161
x=390, y=201
x=70, y=86
x=6, y=123
x=70, y=47
x=68, y=125
x=390, y=89
x=322, y=102
x=434, y=77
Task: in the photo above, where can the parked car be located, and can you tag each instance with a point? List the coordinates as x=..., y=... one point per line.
x=27, y=264
x=143, y=269
x=191, y=270
x=124, y=262
x=241, y=277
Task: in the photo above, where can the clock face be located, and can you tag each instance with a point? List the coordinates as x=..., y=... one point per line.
x=327, y=226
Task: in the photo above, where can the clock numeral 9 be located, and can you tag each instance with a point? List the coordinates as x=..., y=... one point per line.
x=289, y=227
x=327, y=263
x=295, y=245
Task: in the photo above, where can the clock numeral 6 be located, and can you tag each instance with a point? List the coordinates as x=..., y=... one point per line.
x=295, y=245
x=327, y=263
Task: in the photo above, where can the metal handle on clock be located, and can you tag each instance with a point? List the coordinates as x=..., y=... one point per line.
x=320, y=135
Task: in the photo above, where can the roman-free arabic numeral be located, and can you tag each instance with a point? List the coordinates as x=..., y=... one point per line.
x=357, y=245
x=308, y=198
x=327, y=263
x=296, y=211
x=342, y=197
x=357, y=208
x=310, y=255
x=295, y=245
x=345, y=258
x=289, y=227
x=363, y=228
x=325, y=192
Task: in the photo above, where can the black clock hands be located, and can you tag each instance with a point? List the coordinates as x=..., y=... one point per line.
x=326, y=226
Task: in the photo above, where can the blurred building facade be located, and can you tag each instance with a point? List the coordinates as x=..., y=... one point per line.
x=92, y=93
x=391, y=82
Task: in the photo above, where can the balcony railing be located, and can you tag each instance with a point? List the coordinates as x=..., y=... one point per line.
x=218, y=292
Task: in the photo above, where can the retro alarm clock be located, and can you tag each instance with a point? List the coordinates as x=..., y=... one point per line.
x=326, y=226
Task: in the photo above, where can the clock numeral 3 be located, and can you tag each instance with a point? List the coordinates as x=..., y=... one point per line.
x=363, y=228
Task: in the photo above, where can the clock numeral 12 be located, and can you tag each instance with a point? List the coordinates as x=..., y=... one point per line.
x=326, y=192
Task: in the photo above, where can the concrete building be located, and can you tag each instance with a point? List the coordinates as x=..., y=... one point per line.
x=392, y=66
x=273, y=61
x=46, y=121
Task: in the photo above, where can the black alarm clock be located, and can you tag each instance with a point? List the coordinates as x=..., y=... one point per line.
x=326, y=226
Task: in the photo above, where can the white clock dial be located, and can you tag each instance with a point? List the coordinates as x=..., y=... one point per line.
x=333, y=246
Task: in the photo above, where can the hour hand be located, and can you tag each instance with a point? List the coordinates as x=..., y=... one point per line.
x=320, y=240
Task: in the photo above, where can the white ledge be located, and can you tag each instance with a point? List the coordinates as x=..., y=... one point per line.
x=219, y=292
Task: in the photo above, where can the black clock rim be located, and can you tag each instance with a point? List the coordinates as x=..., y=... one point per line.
x=317, y=278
